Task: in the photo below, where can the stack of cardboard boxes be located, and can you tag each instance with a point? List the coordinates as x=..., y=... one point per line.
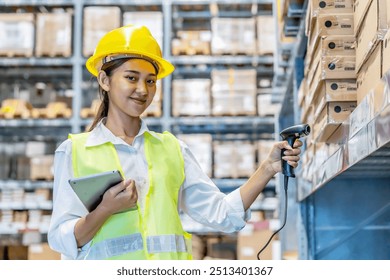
x=345, y=83
x=233, y=92
x=53, y=34
x=329, y=67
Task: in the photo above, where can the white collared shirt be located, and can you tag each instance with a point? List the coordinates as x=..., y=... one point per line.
x=199, y=197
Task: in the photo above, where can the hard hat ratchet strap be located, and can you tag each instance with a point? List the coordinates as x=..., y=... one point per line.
x=129, y=56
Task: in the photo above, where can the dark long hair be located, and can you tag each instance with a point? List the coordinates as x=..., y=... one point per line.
x=108, y=67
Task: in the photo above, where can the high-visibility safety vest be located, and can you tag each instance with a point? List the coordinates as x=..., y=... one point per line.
x=156, y=234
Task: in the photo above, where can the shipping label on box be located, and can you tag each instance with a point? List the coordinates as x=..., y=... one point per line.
x=338, y=45
x=338, y=67
x=372, y=30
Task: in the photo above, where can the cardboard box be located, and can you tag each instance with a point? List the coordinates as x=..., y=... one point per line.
x=330, y=118
x=331, y=67
x=325, y=24
x=248, y=245
x=333, y=90
x=360, y=8
x=372, y=30
x=42, y=252
x=370, y=73
x=17, y=252
x=54, y=34
x=332, y=45
x=223, y=247
x=95, y=28
x=331, y=6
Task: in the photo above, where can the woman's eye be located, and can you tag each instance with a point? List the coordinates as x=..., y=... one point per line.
x=151, y=82
x=131, y=78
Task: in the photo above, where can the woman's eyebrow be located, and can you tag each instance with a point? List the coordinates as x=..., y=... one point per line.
x=137, y=72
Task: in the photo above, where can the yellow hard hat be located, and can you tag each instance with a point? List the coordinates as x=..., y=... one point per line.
x=129, y=41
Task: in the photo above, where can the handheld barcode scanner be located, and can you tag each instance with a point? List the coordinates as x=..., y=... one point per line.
x=291, y=134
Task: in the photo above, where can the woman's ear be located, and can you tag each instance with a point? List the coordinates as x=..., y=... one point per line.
x=103, y=80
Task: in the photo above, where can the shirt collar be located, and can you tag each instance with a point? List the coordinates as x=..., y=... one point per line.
x=101, y=134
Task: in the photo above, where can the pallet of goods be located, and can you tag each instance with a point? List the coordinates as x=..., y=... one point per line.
x=17, y=31
x=15, y=109
x=192, y=43
x=54, y=33
x=233, y=36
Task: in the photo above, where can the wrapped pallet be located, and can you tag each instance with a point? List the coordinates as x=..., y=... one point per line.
x=266, y=38
x=233, y=92
x=98, y=20
x=234, y=159
x=152, y=20
x=191, y=97
x=201, y=147
x=54, y=34
x=192, y=42
x=233, y=36
x=17, y=31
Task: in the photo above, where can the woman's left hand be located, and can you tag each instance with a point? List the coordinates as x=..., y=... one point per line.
x=291, y=155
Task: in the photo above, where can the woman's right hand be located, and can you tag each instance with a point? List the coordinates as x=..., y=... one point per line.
x=120, y=197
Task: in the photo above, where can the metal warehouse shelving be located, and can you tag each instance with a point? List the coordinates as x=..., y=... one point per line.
x=343, y=211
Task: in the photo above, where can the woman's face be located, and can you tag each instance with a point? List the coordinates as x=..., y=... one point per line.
x=132, y=87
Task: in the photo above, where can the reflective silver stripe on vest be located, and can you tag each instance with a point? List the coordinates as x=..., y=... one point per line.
x=130, y=243
x=166, y=243
x=115, y=247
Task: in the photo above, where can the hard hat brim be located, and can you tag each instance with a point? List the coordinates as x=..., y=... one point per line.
x=94, y=63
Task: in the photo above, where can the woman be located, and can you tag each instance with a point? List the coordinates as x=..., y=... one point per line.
x=162, y=176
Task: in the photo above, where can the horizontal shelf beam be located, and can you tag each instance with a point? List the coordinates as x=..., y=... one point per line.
x=37, y=2
x=34, y=122
x=25, y=184
x=35, y=61
x=224, y=59
x=206, y=2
